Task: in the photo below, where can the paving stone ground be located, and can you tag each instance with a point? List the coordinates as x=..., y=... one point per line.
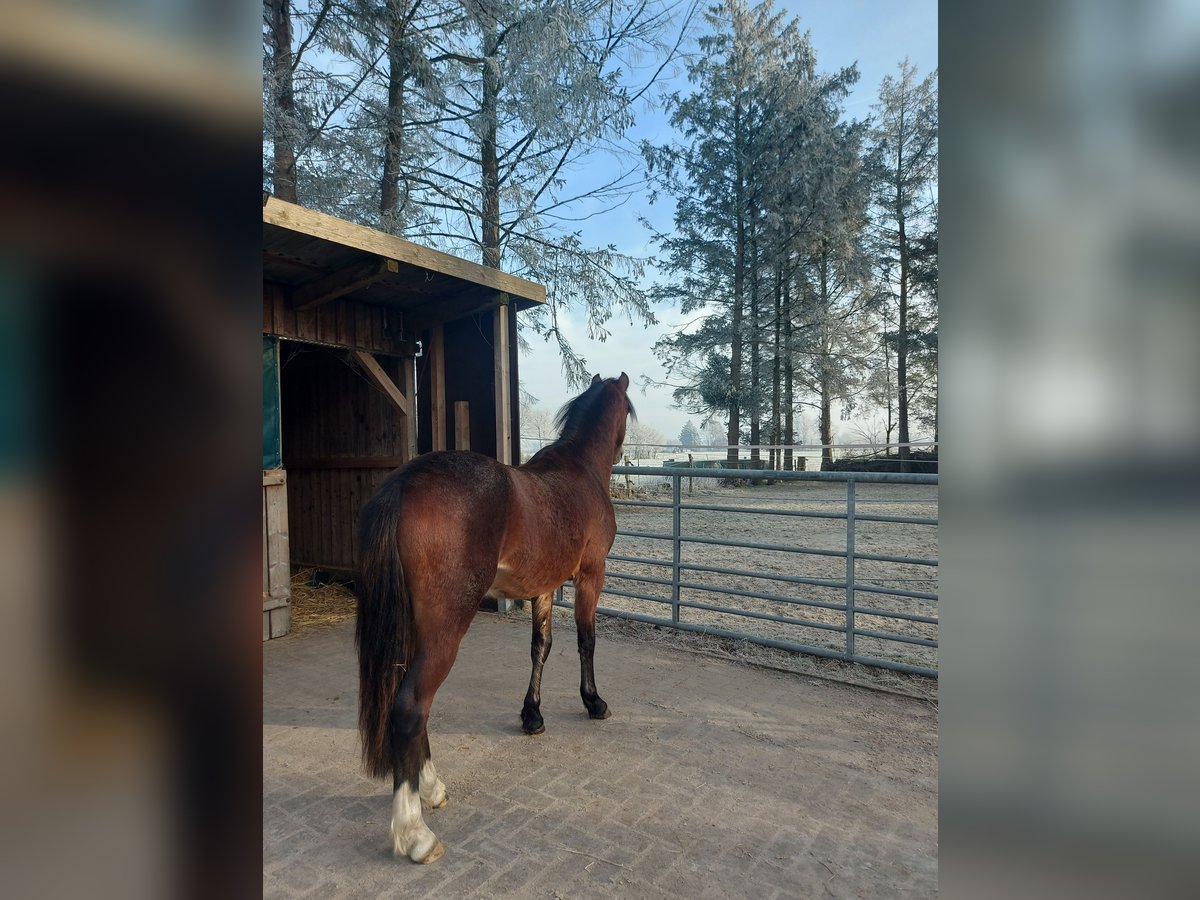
x=711, y=779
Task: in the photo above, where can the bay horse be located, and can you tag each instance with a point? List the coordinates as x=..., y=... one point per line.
x=448, y=529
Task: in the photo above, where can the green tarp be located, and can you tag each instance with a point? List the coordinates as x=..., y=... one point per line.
x=18, y=369
x=272, y=453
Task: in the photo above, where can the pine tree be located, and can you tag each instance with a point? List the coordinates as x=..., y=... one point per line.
x=718, y=177
x=838, y=292
x=755, y=182
x=905, y=161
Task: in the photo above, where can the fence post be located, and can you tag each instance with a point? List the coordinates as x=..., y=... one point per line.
x=676, y=486
x=849, y=569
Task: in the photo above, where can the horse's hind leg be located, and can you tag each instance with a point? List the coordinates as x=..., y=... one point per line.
x=531, y=714
x=587, y=595
x=433, y=789
x=411, y=837
x=414, y=777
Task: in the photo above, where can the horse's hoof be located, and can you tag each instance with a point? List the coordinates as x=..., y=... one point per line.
x=435, y=796
x=433, y=855
x=536, y=729
x=603, y=714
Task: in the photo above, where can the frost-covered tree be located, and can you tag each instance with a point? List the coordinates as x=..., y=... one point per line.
x=838, y=293
x=712, y=434
x=454, y=124
x=905, y=144
x=748, y=176
x=279, y=98
x=535, y=421
x=642, y=439
x=922, y=369
x=533, y=90
x=362, y=80
x=715, y=172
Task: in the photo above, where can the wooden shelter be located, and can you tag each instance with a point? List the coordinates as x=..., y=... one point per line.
x=375, y=349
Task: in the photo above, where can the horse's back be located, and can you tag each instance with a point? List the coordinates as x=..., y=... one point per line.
x=451, y=472
x=451, y=508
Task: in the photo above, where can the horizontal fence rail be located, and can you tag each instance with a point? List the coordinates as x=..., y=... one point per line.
x=901, y=639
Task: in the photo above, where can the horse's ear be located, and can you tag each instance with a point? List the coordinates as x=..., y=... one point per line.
x=623, y=381
x=595, y=378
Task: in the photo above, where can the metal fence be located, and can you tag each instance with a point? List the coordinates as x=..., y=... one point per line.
x=837, y=616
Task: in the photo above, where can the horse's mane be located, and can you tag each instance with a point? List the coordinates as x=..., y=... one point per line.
x=580, y=414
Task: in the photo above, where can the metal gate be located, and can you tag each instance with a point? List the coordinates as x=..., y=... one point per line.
x=861, y=607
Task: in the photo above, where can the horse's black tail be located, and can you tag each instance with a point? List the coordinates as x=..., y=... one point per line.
x=384, y=628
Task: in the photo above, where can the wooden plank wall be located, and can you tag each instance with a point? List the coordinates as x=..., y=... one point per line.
x=341, y=322
x=471, y=377
x=341, y=438
x=277, y=577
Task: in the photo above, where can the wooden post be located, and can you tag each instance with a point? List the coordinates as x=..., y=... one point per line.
x=462, y=425
x=503, y=395
x=277, y=581
x=409, y=379
x=503, y=403
x=437, y=386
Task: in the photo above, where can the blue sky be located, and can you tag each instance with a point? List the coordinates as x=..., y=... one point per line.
x=872, y=33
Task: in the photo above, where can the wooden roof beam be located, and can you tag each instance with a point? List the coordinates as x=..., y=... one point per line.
x=298, y=220
x=381, y=380
x=342, y=282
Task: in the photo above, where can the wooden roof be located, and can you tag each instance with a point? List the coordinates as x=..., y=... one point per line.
x=322, y=257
